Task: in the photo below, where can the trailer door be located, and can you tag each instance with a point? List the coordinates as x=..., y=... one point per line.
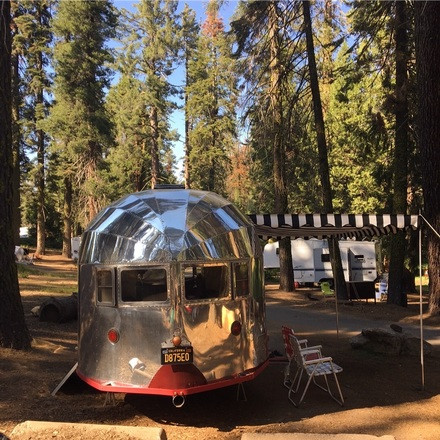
x=322, y=264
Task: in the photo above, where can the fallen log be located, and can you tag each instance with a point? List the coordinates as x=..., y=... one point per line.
x=59, y=309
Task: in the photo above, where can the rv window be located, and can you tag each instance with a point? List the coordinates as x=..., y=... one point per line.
x=359, y=257
x=241, y=279
x=325, y=258
x=144, y=285
x=206, y=281
x=104, y=281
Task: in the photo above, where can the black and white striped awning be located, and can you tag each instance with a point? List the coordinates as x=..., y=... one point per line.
x=332, y=225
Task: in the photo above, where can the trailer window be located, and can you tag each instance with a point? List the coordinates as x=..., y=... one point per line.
x=144, y=285
x=325, y=258
x=105, y=286
x=241, y=279
x=206, y=281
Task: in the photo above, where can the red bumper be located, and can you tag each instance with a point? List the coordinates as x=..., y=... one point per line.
x=167, y=382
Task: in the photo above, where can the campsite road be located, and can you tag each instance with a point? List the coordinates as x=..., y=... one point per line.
x=311, y=323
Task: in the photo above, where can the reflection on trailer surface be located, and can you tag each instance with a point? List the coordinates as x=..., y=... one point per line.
x=171, y=295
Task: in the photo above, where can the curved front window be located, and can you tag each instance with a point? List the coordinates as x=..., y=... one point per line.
x=144, y=284
x=205, y=281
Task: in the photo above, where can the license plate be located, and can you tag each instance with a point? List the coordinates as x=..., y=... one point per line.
x=176, y=355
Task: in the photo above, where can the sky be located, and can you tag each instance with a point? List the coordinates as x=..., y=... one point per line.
x=177, y=118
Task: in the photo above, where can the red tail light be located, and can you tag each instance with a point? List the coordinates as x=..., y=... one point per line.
x=113, y=335
x=236, y=328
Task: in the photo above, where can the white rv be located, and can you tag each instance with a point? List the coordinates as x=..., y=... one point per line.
x=311, y=260
x=75, y=243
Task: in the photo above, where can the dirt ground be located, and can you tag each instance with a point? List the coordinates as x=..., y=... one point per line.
x=383, y=394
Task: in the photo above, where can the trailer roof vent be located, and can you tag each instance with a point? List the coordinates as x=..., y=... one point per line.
x=168, y=186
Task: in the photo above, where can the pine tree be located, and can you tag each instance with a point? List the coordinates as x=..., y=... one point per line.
x=328, y=37
x=17, y=136
x=396, y=288
x=239, y=183
x=212, y=97
x=78, y=122
x=359, y=137
x=190, y=32
x=324, y=171
x=148, y=55
x=13, y=329
x=272, y=62
x=427, y=19
x=129, y=159
x=375, y=21
x=32, y=42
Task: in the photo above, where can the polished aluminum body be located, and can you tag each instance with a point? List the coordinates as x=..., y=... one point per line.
x=160, y=243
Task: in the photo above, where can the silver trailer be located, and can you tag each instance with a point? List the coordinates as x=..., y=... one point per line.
x=171, y=296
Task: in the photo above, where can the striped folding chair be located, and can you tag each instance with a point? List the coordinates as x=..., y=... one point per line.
x=313, y=368
x=309, y=352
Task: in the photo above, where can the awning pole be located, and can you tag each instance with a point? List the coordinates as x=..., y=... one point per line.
x=337, y=313
x=421, y=310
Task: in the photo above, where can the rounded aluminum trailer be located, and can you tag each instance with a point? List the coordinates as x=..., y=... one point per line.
x=171, y=296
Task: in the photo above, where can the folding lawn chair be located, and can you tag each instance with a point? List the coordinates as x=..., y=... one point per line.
x=309, y=352
x=313, y=368
x=326, y=289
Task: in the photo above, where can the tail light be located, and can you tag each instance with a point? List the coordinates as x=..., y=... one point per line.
x=113, y=335
x=236, y=328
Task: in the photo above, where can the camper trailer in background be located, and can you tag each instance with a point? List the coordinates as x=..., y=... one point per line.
x=311, y=260
x=75, y=243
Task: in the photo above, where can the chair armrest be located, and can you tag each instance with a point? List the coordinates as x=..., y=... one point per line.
x=308, y=355
x=318, y=361
x=313, y=347
x=307, y=351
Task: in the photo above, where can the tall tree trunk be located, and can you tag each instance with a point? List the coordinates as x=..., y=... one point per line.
x=211, y=172
x=214, y=111
x=279, y=153
x=335, y=255
x=40, y=185
x=16, y=143
x=396, y=286
x=67, y=218
x=39, y=179
x=154, y=126
x=94, y=155
x=141, y=178
x=427, y=33
x=327, y=36
x=13, y=330
x=187, y=174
